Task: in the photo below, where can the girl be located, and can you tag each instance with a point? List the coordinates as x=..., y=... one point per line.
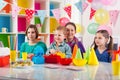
x=33, y=46
x=102, y=44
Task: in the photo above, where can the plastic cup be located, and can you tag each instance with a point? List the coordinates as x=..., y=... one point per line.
x=12, y=55
x=116, y=68
x=24, y=55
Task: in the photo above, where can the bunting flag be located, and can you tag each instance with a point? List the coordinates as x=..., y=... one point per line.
x=92, y=13
x=84, y=6
x=79, y=6
x=15, y=10
x=68, y=10
x=29, y=15
x=56, y=13
x=41, y=14
x=113, y=17
x=2, y=4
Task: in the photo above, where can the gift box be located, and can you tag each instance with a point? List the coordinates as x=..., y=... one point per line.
x=4, y=60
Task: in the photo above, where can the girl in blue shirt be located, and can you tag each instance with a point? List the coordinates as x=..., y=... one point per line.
x=102, y=44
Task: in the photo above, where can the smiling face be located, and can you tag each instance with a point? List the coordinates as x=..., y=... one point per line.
x=59, y=36
x=70, y=32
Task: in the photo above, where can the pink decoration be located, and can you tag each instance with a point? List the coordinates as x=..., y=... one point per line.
x=68, y=10
x=113, y=17
x=15, y=10
x=89, y=1
x=56, y=13
x=84, y=6
x=108, y=2
x=29, y=15
x=92, y=13
x=105, y=27
x=63, y=21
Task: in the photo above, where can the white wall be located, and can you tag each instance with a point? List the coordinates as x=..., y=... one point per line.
x=84, y=20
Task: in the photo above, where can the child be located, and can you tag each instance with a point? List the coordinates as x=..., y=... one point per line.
x=59, y=43
x=33, y=47
x=103, y=43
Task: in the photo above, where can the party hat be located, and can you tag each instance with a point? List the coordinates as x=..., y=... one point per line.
x=93, y=58
x=87, y=54
x=74, y=51
x=78, y=54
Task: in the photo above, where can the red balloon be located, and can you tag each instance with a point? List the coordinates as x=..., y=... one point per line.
x=90, y=1
x=63, y=21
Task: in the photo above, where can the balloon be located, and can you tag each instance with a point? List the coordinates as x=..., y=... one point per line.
x=89, y=1
x=92, y=28
x=96, y=5
x=63, y=21
x=105, y=27
x=78, y=28
x=102, y=16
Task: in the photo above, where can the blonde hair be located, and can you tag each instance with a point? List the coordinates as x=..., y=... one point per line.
x=61, y=28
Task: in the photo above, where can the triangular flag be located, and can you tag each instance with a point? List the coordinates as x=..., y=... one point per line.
x=56, y=13
x=113, y=17
x=74, y=51
x=93, y=58
x=68, y=10
x=41, y=14
x=84, y=6
x=78, y=54
x=2, y=4
x=92, y=13
x=29, y=15
x=15, y=10
x=79, y=6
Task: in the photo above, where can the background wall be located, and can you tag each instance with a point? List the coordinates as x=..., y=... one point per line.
x=83, y=19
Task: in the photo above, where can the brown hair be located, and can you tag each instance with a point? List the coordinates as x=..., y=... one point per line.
x=34, y=27
x=61, y=28
x=71, y=23
x=106, y=35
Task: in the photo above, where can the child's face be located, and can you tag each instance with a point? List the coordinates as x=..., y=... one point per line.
x=100, y=40
x=59, y=36
x=31, y=34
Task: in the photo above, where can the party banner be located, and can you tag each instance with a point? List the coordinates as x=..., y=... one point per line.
x=2, y=4
x=56, y=13
x=41, y=14
x=113, y=17
x=68, y=10
x=29, y=14
x=92, y=13
x=15, y=10
x=79, y=6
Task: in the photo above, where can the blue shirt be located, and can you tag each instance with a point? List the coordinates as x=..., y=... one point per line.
x=63, y=47
x=103, y=57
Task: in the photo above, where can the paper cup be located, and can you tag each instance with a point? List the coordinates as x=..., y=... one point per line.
x=12, y=55
x=116, y=68
x=24, y=55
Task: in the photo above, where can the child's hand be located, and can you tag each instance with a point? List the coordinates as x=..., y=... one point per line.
x=30, y=56
x=52, y=51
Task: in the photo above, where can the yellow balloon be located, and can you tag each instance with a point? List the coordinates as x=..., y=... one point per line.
x=78, y=28
x=102, y=16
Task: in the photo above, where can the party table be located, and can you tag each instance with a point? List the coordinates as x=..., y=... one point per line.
x=102, y=71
